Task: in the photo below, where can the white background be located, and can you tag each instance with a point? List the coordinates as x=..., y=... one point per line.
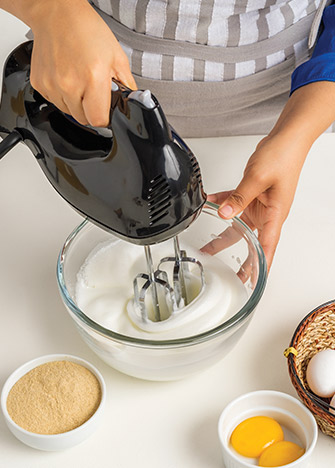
x=149, y=424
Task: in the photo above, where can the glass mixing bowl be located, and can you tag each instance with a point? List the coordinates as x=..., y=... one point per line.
x=230, y=241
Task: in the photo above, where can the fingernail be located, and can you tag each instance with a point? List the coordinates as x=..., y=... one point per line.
x=226, y=211
x=211, y=198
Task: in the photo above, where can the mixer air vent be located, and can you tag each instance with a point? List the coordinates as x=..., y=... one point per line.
x=158, y=199
x=196, y=168
x=195, y=165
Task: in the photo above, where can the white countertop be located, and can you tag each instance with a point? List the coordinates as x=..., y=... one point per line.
x=149, y=424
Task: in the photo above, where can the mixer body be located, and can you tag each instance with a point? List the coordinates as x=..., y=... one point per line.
x=137, y=178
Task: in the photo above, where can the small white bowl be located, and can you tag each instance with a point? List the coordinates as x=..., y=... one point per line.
x=297, y=422
x=52, y=442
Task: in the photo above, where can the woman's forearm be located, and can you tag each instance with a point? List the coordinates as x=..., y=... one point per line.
x=307, y=114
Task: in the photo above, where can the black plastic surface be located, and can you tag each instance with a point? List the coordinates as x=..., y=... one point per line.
x=142, y=183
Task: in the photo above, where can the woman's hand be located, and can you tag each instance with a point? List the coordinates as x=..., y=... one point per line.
x=75, y=56
x=265, y=194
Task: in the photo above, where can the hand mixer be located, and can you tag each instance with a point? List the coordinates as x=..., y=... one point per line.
x=136, y=178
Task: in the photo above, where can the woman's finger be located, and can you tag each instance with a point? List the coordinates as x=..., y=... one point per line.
x=96, y=102
x=127, y=79
x=219, y=197
x=268, y=237
x=250, y=187
x=76, y=109
x=58, y=101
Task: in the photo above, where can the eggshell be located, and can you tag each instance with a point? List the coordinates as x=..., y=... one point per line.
x=321, y=373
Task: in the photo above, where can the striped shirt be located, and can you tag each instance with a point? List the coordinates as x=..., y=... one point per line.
x=218, y=24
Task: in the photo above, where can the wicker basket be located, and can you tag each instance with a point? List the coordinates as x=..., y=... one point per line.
x=313, y=334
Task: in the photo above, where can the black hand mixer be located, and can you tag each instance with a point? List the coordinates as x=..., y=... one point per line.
x=136, y=178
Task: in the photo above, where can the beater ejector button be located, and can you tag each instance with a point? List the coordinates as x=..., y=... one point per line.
x=143, y=97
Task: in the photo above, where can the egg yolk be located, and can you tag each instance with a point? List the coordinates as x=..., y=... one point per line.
x=254, y=434
x=281, y=453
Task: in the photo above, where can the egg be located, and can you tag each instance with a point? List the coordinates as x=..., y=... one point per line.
x=281, y=453
x=254, y=434
x=320, y=373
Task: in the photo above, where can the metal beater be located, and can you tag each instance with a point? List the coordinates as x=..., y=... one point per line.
x=166, y=299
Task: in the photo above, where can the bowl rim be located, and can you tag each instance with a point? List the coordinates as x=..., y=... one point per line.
x=264, y=393
x=32, y=364
x=240, y=315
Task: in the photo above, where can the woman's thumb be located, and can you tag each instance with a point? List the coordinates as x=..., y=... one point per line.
x=238, y=199
x=233, y=205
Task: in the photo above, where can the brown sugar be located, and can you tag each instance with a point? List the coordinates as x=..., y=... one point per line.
x=54, y=397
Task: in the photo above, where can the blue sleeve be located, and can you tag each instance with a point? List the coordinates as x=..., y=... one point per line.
x=321, y=66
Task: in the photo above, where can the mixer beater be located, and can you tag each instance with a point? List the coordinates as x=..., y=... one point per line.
x=165, y=300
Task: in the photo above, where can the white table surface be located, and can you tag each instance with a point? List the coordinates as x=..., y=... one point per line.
x=151, y=424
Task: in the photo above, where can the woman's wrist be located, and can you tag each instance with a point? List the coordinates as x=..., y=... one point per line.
x=284, y=153
x=307, y=114
x=290, y=138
